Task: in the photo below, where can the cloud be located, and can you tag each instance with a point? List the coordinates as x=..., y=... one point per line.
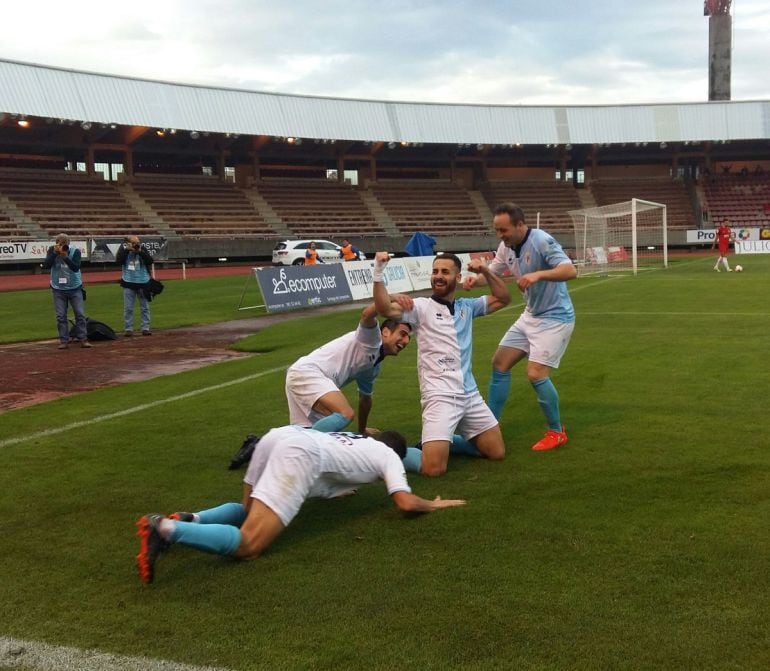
x=528, y=52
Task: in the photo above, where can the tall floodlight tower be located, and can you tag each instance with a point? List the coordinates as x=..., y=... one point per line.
x=720, y=47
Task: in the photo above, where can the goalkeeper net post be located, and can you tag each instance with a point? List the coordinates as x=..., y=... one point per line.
x=627, y=236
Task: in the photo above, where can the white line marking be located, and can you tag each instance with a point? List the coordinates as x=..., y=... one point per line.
x=682, y=314
x=17, y=653
x=136, y=408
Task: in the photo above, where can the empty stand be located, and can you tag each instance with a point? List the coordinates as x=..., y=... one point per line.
x=319, y=208
x=550, y=198
x=201, y=206
x=670, y=192
x=74, y=203
x=435, y=207
x=744, y=200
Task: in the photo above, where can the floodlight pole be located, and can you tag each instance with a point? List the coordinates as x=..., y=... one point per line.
x=633, y=234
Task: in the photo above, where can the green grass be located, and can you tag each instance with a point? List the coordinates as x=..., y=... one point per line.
x=29, y=315
x=643, y=544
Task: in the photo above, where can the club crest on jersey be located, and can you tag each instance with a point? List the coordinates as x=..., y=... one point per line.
x=527, y=257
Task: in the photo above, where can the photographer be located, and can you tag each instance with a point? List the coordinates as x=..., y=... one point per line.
x=136, y=262
x=67, y=287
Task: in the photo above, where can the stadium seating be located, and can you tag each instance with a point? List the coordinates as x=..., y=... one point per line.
x=743, y=199
x=552, y=200
x=73, y=202
x=319, y=208
x=670, y=192
x=435, y=207
x=201, y=206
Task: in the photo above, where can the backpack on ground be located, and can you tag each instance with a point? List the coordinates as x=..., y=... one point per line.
x=95, y=330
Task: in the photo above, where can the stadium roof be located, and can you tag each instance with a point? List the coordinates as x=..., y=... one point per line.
x=55, y=93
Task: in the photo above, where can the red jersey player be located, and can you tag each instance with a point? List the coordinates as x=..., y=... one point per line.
x=723, y=237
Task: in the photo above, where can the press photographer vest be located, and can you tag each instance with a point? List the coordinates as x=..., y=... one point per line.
x=62, y=277
x=134, y=270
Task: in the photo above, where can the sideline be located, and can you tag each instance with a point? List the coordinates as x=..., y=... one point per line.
x=35, y=656
x=137, y=408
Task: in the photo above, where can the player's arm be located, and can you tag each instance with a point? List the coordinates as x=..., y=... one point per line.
x=410, y=503
x=385, y=306
x=499, y=296
x=364, y=408
x=561, y=273
x=369, y=316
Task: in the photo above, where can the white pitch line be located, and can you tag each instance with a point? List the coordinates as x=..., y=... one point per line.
x=681, y=314
x=137, y=408
x=21, y=654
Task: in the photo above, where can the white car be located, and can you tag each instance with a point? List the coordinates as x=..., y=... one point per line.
x=292, y=252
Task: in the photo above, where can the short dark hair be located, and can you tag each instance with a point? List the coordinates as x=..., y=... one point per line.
x=452, y=257
x=392, y=324
x=512, y=210
x=394, y=440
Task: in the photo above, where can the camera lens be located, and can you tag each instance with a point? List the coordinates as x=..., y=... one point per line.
x=65, y=248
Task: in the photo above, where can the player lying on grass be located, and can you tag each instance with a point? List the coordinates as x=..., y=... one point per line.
x=289, y=465
x=314, y=381
x=449, y=395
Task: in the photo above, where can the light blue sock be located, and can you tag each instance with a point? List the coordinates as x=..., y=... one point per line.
x=548, y=398
x=461, y=446
x=228, y=513
x=221, y=539
x=499, y=386
x=413, y=459
x=330, y=423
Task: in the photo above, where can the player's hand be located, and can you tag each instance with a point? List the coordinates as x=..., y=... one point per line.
x=382, y=258
x=438, y=502
x=527, y=280
x=469, y=281
x=404, y=301
x=476, y=265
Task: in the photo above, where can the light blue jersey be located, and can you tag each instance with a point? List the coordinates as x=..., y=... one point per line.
x=539, y=251
x=444, y=334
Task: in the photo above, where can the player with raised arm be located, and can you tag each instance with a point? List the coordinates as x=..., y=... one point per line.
x=443, y=325
x=540, y=269
x=289, y=465
x=314, y=381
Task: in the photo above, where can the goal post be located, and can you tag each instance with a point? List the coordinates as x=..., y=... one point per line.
x=622, y=237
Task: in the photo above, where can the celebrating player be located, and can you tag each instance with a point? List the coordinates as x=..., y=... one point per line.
x=449, y=395
x=314, y=381
x=542, y=333
x=289, y=465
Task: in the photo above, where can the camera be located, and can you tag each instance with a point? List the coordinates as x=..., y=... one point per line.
x=136, y=247
x=64, y=248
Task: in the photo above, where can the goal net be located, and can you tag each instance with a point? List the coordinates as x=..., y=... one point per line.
x=627, y=236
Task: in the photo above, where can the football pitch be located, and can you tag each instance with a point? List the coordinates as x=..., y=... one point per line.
x=642, y=544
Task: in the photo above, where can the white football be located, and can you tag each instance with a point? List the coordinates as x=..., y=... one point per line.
x=738, y=269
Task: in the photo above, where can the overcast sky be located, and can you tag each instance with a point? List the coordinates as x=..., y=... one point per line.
x=478, y=51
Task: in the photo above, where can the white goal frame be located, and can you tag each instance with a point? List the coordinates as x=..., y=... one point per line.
x=621, y=237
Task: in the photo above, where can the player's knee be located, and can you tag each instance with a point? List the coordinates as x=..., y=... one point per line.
x=432, y=470
x=535, y=374
x=496, y=453
x=348, y=414
x=251, y=547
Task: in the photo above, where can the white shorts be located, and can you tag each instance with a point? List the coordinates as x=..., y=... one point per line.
x=443, y=416
x=304, y=386
x=285, y=466
x=544, y=340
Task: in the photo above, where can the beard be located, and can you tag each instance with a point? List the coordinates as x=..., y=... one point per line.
x=444, y=288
